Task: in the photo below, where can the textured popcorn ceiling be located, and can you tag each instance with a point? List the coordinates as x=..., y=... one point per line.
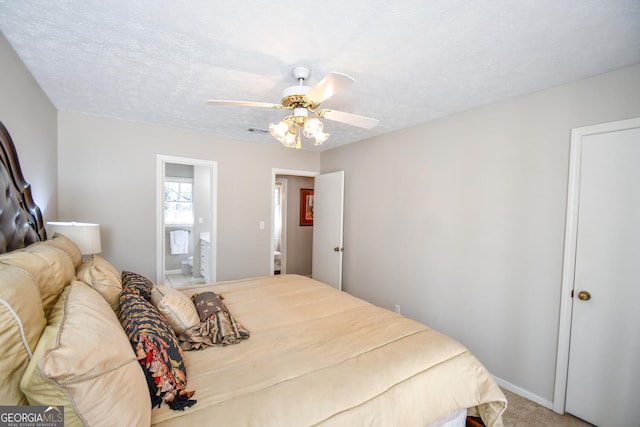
x=157, y=61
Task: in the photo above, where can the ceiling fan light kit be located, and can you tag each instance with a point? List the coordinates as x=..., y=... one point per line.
x=301, y=100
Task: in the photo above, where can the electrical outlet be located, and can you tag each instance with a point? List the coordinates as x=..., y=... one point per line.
x=398, y=308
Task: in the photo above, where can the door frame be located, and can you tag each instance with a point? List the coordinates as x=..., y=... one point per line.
x=569, y=257
x=274, y=172
x=161, y=160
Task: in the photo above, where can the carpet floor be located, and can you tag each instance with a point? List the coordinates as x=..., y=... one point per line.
x=522, y=412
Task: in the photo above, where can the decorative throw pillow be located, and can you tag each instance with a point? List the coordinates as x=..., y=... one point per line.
x=176, y=307
x=99, y=274
x=158, y=351
x=137, y=284
x=217, y=325
x=84, y=362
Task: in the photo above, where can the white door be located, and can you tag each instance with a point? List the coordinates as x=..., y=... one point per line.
x=326, y=264
x=603, y=384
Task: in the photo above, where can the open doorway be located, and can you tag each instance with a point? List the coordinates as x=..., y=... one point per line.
x=279, y=224
x=292, y=243
x=186, y=221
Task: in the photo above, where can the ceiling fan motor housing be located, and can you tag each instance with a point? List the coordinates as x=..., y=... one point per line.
x=294, y=97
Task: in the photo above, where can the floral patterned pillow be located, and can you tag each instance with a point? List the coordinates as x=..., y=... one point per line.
x=137, y=284
x=158, y=351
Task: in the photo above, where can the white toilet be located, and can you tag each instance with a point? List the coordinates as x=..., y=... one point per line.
x=187, y=266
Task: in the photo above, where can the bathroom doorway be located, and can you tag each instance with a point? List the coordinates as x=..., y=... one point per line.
x=186, y=221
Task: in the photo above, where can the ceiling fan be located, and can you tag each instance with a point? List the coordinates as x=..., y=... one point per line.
x=302, y=100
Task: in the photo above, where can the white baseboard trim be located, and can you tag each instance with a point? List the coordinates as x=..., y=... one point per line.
x=172, y=272
x=524, y=393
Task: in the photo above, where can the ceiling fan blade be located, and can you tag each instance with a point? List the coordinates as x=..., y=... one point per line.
x=328, y=86
x=243, y=103
x=348, y=118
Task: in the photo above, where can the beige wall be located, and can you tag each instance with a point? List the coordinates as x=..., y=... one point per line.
x=31, y=120
x=461, y=220
x=107, y=174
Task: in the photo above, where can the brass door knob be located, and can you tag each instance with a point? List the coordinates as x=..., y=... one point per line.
x=584, y=295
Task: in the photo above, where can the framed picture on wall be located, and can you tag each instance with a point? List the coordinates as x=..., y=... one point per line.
x=306, y=206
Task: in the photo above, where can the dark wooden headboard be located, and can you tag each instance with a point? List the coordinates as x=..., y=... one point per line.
x=21, y=222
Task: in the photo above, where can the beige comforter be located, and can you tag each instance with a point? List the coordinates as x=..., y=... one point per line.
x=320, y=356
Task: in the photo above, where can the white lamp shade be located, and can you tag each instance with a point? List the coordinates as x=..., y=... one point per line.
x=278, y=131
x=320, y=137
x=312, y=126
x=289, y=139
x=86, y=236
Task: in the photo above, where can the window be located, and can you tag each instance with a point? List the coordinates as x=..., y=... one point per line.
x=178, y=201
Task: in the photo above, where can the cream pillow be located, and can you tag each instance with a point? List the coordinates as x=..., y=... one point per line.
x=176, y=307
x=21, y=324
x=51, y=268
x=84, y=361
x=61, y=241
x=103, y=277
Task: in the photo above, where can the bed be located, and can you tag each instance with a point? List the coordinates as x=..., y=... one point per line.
x=315, y=355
